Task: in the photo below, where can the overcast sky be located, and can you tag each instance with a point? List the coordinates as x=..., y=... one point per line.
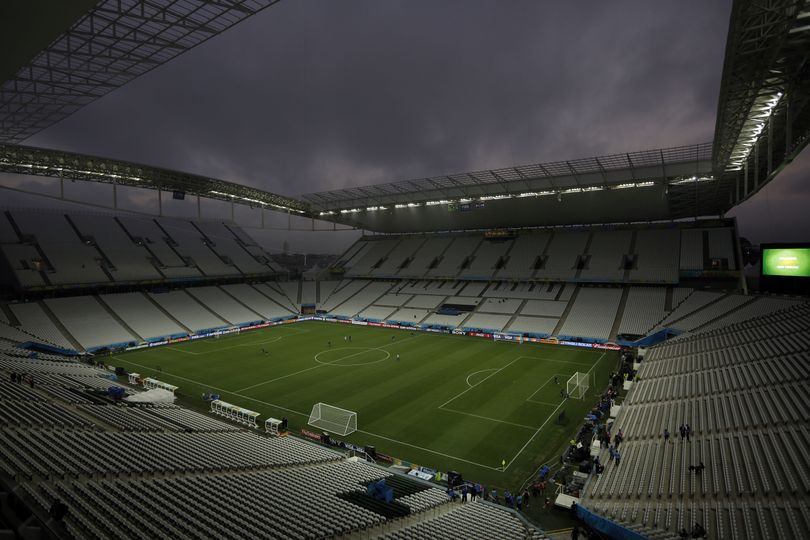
x=312, y=95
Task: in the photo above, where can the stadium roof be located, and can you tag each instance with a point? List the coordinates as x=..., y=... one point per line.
x=763, y=121
x=763, y=117
x=110, y=45
x=617, y=171
x=57, y=164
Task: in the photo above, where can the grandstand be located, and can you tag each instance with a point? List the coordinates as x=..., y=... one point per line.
x=564, y=262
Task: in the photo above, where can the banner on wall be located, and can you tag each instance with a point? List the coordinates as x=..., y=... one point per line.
x=454, y=331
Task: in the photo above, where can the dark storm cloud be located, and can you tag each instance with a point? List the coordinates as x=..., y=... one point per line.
x=313, y=95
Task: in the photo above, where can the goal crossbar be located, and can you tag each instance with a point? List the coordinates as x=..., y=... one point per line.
x=577, y=385
x=334, y=419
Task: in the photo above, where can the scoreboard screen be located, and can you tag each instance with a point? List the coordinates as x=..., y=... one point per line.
x=788, y=261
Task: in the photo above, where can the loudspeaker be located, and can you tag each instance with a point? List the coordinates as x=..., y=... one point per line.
x=371, y=452
x=454, y=479
x=120, y=371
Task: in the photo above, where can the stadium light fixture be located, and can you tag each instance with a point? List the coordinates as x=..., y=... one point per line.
x=760, y=112
x=254, y=201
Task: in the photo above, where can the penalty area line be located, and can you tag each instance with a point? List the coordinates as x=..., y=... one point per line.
x=488, y=418
x=533, y=436
x=497, y=370
x=429, y=450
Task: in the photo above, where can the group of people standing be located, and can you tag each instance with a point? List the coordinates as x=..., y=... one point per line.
x=21, y=378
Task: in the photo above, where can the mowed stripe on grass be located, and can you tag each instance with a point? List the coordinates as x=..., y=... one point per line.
x=450, y=402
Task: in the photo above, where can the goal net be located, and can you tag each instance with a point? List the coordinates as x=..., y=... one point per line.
x=333, y=419
x=577, y=385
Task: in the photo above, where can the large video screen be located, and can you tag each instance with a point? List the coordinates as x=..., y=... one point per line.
x=786, y=261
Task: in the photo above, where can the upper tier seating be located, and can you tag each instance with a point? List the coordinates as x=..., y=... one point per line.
x=55, y=249
x=151, y=236
x=129, y=261
x=192, y=245
x=424, y=257
x=656, y=256
x=562, y=255
x=523, y=257
x=485, y=259
x=454, y=256
x=399, y=256
x=372, y=256
x=606, y=254
x=69, y=260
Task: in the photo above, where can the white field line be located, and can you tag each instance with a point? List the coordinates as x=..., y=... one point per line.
x=543, y=386
x=429, y=450
x=381, y=348
x=560, y=361
x=546, y=422
x=306, y=415
x=467, y=380
x=250, y=344
x=498, y=370
x=487, y=418
x=306, y=369
x=534, y=435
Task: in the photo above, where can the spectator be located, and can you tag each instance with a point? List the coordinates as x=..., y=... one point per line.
x=697, y=468
x=526, y=498
x=618, y=458
x=547, y=504
x=698, y=531
x=575, y=533
x=666, y=435
x=618, y=439
x=682, y=429
x=688, y=431
x=519, y=500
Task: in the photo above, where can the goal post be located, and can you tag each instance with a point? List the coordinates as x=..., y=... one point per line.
x=577, y=385
x=333, y=419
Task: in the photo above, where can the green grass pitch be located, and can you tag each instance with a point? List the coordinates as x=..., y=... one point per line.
x=450, y=402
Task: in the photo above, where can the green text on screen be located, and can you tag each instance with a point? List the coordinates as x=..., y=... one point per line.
x=786, y=262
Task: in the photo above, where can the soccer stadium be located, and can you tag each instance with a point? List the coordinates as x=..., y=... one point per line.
x=566, y=349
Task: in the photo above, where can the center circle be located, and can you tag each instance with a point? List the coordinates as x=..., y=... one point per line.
x=338, y=361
